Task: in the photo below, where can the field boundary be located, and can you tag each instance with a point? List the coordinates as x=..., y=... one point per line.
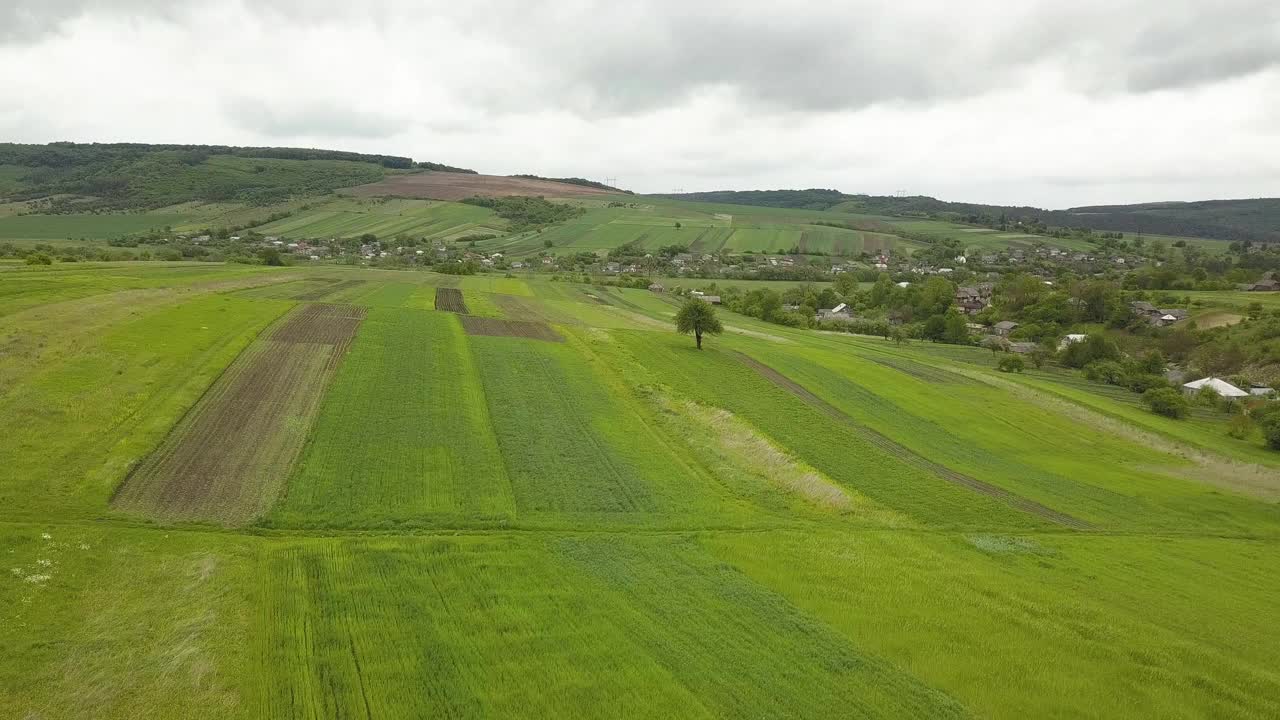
x=902, y=452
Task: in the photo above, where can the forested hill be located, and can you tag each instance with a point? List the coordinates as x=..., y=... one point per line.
x=118, y=176
x=1257, y=220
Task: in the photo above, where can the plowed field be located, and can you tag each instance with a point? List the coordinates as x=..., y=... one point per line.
x=226, y=461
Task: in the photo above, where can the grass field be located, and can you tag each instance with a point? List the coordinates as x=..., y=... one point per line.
x=310, y=493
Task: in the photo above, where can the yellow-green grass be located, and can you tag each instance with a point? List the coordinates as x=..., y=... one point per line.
x=1234, y=299
x=28, y=287
x=86, y=226
x=616, y=525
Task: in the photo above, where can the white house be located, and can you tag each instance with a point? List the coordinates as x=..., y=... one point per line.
x=1222, y=387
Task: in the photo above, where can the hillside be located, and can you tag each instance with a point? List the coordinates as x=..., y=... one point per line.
x=452, y=186
x=246, y=491
x=70, y=177
x=1229, y=220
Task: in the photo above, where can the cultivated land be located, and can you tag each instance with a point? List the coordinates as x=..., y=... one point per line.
x=246, y=492
x=456, y=186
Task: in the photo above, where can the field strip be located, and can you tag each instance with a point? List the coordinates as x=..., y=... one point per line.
x=1250, y=479
x=324, y=292
x=450, y=300
x=910, y=456
x=474, y=325
x=226, y=461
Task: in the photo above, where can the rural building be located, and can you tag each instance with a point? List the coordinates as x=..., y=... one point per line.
x=1266, y=284
x=1071, y=339
x=1022, y=348
x=839, y=312
x=1257, y=390
x=970, y=300
x=1221, y=387
x=713, y=299
x=655, y=287
x=1004, y=327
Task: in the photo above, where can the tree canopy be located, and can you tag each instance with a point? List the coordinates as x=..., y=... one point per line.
x=697, y=316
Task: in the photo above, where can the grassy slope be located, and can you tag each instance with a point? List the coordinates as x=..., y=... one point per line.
x=667, y=577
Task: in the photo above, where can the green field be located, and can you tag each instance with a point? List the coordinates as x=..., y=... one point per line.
x=555, y=506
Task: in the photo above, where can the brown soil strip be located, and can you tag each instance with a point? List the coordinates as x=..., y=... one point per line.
x=324, y=292
x=908, y=455
x=508, y=328
x=456, y=186
x=227, y=459
x=320, y=324
x=450, y=300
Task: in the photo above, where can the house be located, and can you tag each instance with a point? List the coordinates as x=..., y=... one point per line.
x=1269, y=283
x=1004, y=327
x=1221, y=387
x=970, y=300
x=1176, y=313
x=1257, y=390
x=1071, y=340
x=655, y=287
x=713, y=299
x=839, y=312
x=1022, y=348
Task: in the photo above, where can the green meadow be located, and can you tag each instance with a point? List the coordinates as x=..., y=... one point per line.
x=555, y=506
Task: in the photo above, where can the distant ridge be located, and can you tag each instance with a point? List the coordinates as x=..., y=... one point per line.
x=1256, y=220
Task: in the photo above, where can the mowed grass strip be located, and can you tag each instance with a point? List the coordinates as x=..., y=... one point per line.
x=227, y=460
x=403, y=435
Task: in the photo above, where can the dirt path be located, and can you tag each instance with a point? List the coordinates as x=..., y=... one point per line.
x=908, y=455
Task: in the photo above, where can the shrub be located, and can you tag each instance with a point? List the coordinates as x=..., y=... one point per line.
x=39, y=259
x=1167, y=402
x=1240, y=427
x=1105, y=371
x=1012, y=363
x=1140, y=382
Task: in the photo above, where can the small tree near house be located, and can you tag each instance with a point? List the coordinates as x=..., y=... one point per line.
x=697, y=317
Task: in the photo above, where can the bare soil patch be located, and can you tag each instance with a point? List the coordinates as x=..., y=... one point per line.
x=450, y=300
x=456, y=186
x=320, y=324
x=227, y=459
x=908, y=455
x=508, y=328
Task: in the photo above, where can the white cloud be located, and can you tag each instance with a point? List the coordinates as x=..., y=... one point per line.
x=1038, y=103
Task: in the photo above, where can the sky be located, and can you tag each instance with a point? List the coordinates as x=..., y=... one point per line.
x=1039, y=102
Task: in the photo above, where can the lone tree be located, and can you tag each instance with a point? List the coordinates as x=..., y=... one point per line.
x=697, y=317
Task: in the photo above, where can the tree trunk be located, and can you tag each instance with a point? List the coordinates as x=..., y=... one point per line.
x=697, y=335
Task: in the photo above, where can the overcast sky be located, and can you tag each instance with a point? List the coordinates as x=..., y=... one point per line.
x=1039, y=102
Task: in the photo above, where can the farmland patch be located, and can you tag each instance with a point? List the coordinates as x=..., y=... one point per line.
x=509, y=328
x=333, y=288
x=227, y=459
x=450, y=300
x=909, y=456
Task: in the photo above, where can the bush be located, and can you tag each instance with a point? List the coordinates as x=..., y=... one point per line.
x=1140, y=383
x=1167, y=402
x=1240, y=427
x=39, y=259
x=1011, y=364
x=1105, y=371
